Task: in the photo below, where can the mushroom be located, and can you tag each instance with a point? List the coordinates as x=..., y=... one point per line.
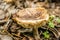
x=32, y=18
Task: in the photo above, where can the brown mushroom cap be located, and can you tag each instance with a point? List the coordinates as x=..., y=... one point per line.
x=31, y=17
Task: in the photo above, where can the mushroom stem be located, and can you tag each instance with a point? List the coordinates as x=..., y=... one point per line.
x=36, y=34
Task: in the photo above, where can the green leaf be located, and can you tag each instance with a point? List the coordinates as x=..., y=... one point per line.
x=51, y=24
x=52, y=17
x=46, y=34
x=58, y=20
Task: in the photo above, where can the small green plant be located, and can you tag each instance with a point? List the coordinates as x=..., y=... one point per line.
x=51, y=24
x=51, y=17
x=46, y=34
x=58, y=20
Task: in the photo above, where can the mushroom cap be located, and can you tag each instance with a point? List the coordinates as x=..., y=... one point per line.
x=31, y=17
